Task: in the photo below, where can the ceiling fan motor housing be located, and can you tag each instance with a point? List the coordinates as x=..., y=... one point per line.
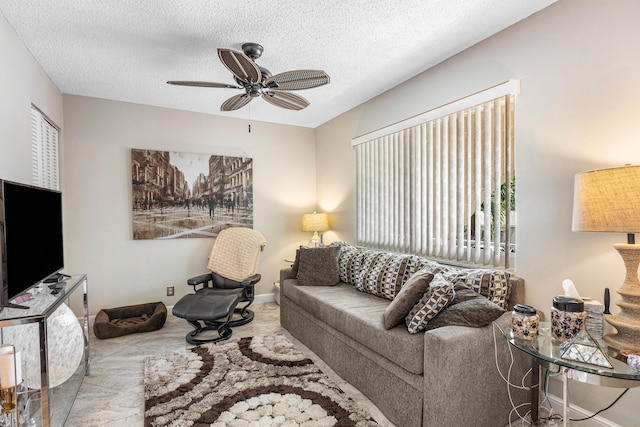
x=254, y=91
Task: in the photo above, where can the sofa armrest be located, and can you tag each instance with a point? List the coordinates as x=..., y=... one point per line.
x=516, y=294
x=286, y=273
x=460, y=372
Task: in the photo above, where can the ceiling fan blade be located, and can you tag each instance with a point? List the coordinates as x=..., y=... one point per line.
x=285, y=100
x=203, y=84
x=297, y=80
x=240, y=65
x=235, y=102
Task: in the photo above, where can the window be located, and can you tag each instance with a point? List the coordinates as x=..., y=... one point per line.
x=44, y=151
x=442, y=184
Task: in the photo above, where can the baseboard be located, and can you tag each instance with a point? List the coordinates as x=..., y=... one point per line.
x=264, y=298
x=578, y=412
x=258, y=299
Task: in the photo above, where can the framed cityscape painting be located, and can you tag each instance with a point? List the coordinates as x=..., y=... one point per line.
x=183, y=195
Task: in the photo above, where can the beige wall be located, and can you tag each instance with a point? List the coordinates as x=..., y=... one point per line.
x=95, y=179
x=22, y=82
x=99, y=135
x=578, y=62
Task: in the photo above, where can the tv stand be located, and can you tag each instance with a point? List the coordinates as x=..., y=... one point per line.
x=55, y=402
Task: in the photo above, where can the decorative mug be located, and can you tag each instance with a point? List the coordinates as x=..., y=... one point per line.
x=525, y=322
x=567, y=317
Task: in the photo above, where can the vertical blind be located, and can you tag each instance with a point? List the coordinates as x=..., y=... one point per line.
x=44, y=151
x=442, y=188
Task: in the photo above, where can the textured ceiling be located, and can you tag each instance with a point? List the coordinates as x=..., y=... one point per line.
x=126, y=50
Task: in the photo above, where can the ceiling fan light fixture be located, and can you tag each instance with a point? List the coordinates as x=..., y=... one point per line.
x=257, y=81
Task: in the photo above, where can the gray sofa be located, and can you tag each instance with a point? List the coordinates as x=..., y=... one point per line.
x=442, y=377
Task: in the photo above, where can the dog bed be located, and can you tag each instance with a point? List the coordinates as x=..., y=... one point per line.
x=131, y=319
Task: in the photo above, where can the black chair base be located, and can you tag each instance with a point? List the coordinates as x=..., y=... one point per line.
x=214, y=311
x=224, y=333
x=240, y=316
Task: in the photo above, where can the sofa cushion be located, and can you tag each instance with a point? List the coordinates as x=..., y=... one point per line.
x=359, y=316
x=467, y=309
x=492, y=284
x=318, y=266
x=408, y=296
x=437, y=297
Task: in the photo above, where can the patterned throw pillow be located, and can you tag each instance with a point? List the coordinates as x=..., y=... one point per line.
x=429, y=265
x=349, y=262
x=492, y=284
x=383, y=273
x=439, y=295
x=468, y=308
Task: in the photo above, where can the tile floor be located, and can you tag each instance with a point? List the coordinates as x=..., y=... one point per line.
x=113, y=394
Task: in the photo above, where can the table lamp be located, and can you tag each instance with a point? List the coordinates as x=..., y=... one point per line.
x=609, y=200
x=315, y=222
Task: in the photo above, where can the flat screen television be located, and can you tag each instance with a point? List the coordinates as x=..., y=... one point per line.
x=30, y=237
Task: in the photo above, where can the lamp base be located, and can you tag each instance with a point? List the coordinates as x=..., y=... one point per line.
x=627, y=322
x=315, y=239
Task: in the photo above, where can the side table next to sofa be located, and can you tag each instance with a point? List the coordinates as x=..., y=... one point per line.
x=546, y=356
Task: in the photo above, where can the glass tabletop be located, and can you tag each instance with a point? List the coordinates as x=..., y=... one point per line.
x=546, y=348
x=43, y=300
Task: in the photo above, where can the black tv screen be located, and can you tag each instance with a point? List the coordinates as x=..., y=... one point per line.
x=30, y=236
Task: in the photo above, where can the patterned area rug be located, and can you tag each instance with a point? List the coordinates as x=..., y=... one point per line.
x=258, y=381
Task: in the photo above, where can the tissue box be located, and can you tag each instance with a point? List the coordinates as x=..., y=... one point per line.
x=594, y=317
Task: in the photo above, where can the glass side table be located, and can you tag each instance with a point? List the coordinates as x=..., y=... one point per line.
x=546, y=356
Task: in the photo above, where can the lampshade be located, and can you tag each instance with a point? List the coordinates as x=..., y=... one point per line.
x=10, y=366
x=607, y=200
x=315, y=222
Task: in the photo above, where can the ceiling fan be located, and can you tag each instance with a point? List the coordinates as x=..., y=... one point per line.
x=258, y=81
